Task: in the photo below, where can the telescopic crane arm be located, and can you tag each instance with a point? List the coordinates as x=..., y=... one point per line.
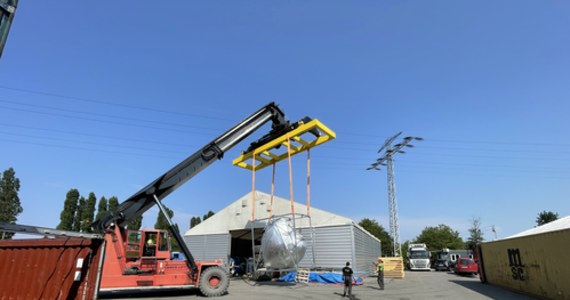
x=144, y=199
x=161, y=187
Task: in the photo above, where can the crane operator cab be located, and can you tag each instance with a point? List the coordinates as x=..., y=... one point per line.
x=150, y=244
x=157, y=244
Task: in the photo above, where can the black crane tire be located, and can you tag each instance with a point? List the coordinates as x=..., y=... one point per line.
x=214, y=282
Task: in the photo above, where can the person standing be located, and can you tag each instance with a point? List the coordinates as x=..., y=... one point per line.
x=380, y=271
x=249, y=266
x=347, y=277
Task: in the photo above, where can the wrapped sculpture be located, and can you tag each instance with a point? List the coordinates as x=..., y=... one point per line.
x=281, y=247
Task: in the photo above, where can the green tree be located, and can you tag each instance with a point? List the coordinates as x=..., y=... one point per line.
x=440, y=237
x=546, y=217
x=67, y=216
x=88, y=213
x=113, y=203
x=378, y=231
x=78, y=214
x=195, y=221
x=404, y=252
x=10, y=206
x=101, y=208
x=209, y=214
x=173, y=242
x=475, y=234
x=135, y=224
x=161, y=222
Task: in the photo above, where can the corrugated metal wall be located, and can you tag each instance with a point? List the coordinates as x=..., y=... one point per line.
x=333, y=247
x=307, y=261
x=47, y=268
x=367, y=250
x=209, y=247
x=538, y=265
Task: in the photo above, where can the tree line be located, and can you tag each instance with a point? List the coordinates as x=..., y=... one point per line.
x=441, y=236
x=79, y=213
x=437, y=237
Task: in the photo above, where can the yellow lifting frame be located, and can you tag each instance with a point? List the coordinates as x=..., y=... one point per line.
x=265, y=155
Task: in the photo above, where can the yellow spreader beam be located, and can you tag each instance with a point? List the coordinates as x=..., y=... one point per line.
x=300, y=139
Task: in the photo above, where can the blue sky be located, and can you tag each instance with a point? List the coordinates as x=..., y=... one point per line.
x=105, y=98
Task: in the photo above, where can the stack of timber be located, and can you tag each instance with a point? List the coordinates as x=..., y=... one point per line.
x=393, y=267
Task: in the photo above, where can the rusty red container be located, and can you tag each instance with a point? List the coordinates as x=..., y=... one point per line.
x=50, y=268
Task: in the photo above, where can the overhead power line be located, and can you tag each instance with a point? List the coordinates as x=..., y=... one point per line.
x=111, y=103
x=94, y=114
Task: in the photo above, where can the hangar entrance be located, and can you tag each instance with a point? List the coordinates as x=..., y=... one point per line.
x=241, y=249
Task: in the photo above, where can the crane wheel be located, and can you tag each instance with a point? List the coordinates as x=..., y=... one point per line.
x=214, y=281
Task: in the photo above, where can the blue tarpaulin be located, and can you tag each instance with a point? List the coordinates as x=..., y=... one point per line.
x=330, y=278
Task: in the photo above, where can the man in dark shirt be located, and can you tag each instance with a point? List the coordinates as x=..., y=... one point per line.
x=347, y=276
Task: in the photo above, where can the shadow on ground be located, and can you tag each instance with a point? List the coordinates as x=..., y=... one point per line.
x=150, y=294
x=494, y=293
x=352, y=297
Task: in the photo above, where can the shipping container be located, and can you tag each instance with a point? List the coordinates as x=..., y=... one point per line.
x=50, y=268
x=537, y=265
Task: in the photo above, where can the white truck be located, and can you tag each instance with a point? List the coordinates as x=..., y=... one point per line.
x=418, y=257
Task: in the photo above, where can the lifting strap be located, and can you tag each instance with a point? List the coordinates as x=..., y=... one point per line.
x=291, y=198
x=272, y=192
x=308, y=182
x=291, y=193
x=253, y=191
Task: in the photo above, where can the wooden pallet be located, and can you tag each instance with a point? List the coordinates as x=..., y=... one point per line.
x=302, y=275
x=393, y=267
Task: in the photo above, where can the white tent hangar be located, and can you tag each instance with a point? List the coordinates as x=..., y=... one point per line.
x=331, y=240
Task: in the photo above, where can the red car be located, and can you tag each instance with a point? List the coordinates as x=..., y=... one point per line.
x=466, y=265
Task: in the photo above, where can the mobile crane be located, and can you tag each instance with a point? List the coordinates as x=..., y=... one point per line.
x=142, y=259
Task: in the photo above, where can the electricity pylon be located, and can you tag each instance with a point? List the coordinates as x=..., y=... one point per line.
x=387, y=160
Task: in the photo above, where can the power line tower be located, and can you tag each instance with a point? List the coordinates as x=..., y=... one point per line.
x=387, y=160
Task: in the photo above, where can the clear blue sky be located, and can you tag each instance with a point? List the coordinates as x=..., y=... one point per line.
x=106, y=97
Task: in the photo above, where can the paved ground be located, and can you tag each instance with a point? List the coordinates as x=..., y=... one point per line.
x=416, y=285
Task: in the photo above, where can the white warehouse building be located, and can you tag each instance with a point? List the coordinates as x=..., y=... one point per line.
x=331, y=240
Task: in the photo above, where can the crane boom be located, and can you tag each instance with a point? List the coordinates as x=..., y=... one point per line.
x=7, y=12
x=161, y=187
